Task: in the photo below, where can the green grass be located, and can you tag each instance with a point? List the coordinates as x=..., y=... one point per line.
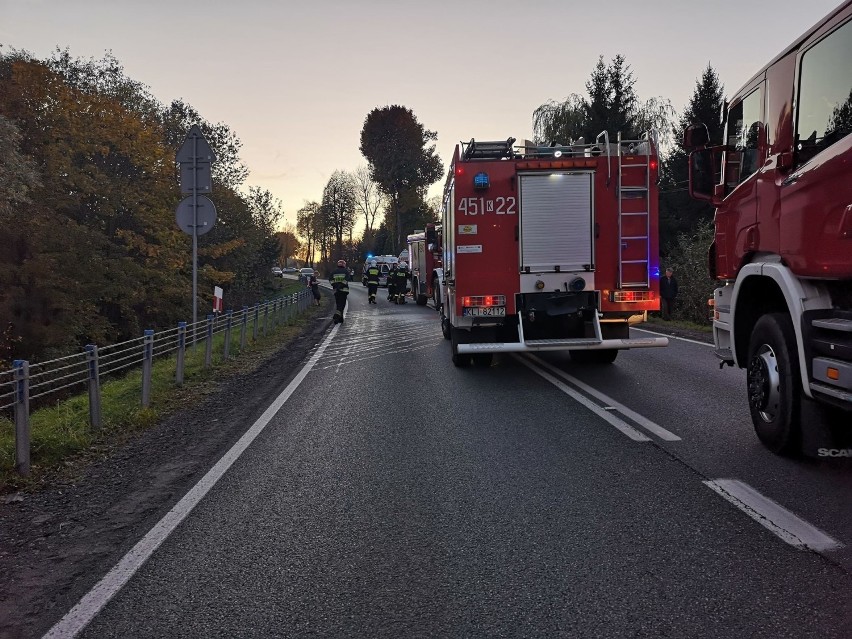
x=60, y=434
x=676, y=323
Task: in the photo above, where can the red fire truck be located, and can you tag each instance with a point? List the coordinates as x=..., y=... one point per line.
x=425, y=260
x=782, y=251
x=549, y=248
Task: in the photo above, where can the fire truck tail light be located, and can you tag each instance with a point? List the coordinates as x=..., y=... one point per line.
x=483, y=300
x=653, y=165
x=459, y=170
x=832, y=373
x=631, y=296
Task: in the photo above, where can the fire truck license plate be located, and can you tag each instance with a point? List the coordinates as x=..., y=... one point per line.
x=484, y=311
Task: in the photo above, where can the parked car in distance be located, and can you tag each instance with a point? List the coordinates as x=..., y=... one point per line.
x=290, y=269
x=277, y=272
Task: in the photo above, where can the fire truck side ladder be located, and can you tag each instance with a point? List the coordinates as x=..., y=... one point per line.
x=634, y=227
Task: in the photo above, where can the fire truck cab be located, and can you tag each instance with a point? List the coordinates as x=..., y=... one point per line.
x=782, y=250
x=549, y=248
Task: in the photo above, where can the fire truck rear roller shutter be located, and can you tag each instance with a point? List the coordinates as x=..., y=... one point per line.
x=556, y=221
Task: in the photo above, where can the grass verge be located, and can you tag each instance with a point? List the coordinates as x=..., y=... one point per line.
x=681, y=324
x=60, y=434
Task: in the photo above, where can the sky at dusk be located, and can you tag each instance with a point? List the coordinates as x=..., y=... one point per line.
x=295, y=80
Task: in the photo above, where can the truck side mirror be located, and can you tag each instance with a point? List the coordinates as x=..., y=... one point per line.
x=695, y=136
x=701, y=176
x=431, y=235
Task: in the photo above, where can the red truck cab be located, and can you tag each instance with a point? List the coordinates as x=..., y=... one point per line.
x=782, y=249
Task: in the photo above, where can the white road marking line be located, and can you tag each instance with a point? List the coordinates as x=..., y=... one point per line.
x=772, y=516
x=682, y=339
x=93, y=602
x=644, y=422
x=621, y=426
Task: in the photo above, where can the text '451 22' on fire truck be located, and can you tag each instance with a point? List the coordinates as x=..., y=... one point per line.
x=549, y=248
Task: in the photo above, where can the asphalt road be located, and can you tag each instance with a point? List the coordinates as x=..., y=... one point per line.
x=395, y=495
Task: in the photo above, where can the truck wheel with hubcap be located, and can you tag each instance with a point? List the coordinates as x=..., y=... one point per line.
x=459, y=337
x=774, y=395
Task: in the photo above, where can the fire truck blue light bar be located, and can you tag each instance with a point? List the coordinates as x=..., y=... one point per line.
x=480, y=181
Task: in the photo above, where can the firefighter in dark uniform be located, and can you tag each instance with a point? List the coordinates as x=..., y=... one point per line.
x=372, y=282
x=339, y=282
x=401, y=282
x=392, y=283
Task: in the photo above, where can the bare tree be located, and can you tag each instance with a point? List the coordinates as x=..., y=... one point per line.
x=306, y=225
x=369, y=198
x=338, y=206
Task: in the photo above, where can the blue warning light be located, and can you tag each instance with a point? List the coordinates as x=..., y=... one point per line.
x=480, y=181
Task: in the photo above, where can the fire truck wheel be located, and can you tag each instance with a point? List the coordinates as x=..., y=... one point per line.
x=459, y=337
x=446, y=327
x=774, y=396
x=483, y=360
x=594, y=357
x=436, y=294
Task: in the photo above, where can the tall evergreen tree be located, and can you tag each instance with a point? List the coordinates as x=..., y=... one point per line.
x=611, y=105
x=678, y=212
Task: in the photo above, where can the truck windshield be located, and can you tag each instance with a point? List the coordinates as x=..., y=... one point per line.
x=825, y=94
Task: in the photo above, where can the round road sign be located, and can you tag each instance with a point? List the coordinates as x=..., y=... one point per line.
x=206, y=215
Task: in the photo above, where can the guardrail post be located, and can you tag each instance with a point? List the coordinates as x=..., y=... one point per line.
x=147, y=362
x=243, y=327
x=208, y=351
x=274, y=314
x=181, y=353
x=282, y=310
x=256, y=321
x=229, y=318
x=22, y=416
x=94, y=384
x=265, y=316
x=287, y=309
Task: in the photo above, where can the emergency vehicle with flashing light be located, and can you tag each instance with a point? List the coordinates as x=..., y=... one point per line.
x=424, y=253
x=549, y=248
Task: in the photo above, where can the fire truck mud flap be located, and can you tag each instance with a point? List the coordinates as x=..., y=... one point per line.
x=562, y=345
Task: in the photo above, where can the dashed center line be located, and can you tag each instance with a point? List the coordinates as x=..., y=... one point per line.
x=773, y=516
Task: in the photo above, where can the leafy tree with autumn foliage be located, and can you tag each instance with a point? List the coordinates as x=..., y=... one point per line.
x=89, y=249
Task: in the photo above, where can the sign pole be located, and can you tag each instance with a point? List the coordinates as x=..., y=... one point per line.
x=194, y=239
x=196, y=214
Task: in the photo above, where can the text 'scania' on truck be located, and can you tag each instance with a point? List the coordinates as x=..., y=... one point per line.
x=781, y=183
x=548, y=248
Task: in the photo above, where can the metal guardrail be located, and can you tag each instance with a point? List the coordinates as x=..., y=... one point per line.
x=27, y=381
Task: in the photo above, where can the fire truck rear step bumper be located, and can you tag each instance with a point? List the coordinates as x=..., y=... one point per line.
x=562, y=345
